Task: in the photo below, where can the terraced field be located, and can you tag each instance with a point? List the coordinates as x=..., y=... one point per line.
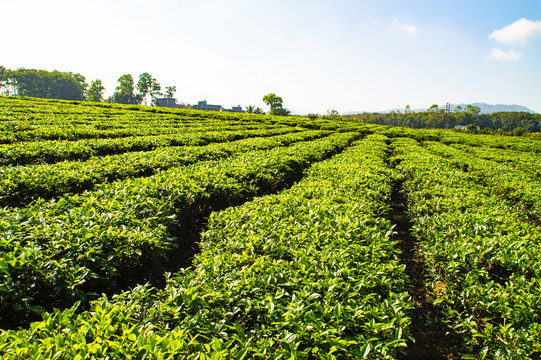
x=152, y=233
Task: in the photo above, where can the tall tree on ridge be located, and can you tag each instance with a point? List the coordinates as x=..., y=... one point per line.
x=147, y=85
x=275, y=102
x=124, y=91
x=95, y=92
x=170, y=91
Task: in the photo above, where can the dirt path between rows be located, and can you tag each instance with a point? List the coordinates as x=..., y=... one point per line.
x=432, y=341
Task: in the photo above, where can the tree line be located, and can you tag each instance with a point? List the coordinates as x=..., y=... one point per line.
x=72, y=86
x=43, y=84
x=514, y=123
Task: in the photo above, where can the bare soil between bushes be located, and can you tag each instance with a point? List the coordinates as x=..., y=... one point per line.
x=433, y=340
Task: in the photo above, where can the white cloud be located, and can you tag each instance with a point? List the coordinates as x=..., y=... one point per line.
x=518, y=32
x=499, y=54
x=411, y=29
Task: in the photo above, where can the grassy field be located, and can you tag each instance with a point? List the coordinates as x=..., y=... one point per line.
x=154, y=233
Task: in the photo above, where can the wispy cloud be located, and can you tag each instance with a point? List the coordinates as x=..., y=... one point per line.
x=411, y=29
x=518, y=32
x=499, y=54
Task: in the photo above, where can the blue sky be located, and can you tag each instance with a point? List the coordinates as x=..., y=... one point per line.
x=317, y=55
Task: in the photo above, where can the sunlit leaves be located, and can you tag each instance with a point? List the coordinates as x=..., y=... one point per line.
x=482, y=254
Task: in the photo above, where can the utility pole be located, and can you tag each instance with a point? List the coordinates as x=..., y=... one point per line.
x=447, y=111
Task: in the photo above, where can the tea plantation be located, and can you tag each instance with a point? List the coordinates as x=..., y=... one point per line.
x=153, y=233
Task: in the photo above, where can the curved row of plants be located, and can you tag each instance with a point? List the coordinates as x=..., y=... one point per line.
x=74, y=132
x=482, y=256
x=110, y=126
x=517, y=143
x=21, y=185
x=309, y=273
x=57, y=252
x=68, y=120
x=513, y=175
x=522, y=144
x=514, y=157
x=48, y=152
x=33, y=111
x=96, y=120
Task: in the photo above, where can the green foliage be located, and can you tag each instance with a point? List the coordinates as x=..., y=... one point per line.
x=506, y=121
x=473, y=129
x=276, y=104
x=332, y=115
x=518, y=131
x=95, y=92
x=123, y=227
x=170, y=91
x=46, y=84
x=52, y=151
x=147, y=85
x=297, y=260
x=273, y=101
x=475, y=110
x=307, y=273
x=487, y=131
x=251, y=109
x=280, y=112
x=481, y=253
x=125, y=91
x=21, y=185
x=434, y=108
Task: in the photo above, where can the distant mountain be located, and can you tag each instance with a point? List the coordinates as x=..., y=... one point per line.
x=489, y=109
x=485, y=109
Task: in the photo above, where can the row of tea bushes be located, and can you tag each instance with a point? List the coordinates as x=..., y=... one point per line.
x=308, y=273
x=48, y=152
x=21, y=185
x=56, y=252
x=483, y=258
x=514, y=176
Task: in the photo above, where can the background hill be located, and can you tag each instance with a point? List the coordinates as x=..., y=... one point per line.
x=485, y=108
x=489, y=109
